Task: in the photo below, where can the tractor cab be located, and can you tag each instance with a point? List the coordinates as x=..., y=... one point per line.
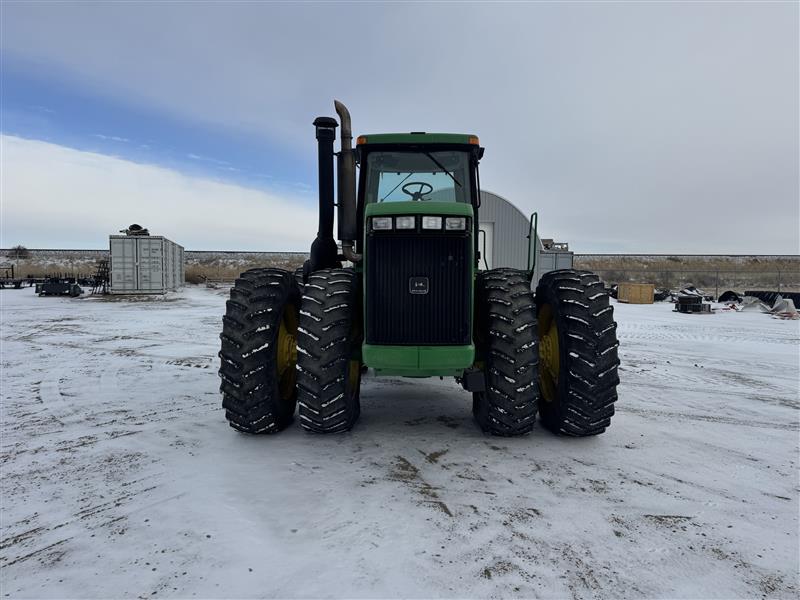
x=418, y=167
x=418, y=203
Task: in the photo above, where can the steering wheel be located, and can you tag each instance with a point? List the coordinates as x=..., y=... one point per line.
x=417, y=196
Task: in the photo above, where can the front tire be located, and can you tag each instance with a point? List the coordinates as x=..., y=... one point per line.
x=328, y=364
x=507, y=352
x=578, y=353
x=259, y=351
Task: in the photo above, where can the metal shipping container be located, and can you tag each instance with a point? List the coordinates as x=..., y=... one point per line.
x=145, y=264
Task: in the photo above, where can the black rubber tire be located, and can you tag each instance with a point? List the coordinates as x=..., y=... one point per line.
x=251, y=385
x=328, y=347
x=507, y=348
x=298, y=277
x=587, y=349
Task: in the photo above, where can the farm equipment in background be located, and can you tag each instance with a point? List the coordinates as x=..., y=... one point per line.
x=100, y=278
x=56, y=286
x=7, y=278
x=413, y=304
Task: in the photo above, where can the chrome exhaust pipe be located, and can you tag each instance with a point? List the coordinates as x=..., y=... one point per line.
x=346, y=186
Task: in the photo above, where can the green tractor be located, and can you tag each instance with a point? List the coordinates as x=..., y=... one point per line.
x=414, y=304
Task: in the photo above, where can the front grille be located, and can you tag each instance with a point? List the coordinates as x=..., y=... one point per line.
x=397, y=316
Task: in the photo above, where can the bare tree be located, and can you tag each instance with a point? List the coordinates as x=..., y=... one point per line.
x=19, y=251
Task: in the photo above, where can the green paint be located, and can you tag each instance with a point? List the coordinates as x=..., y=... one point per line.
x=417, y=138
x=418, y=361
x=418, y=208
x=532, y=239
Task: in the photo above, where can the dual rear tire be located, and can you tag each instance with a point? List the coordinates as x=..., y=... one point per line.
x=506, y=352
x=258, y=354
x=556, y=353
x=282, y=348
x=328, y=350
x=578, y=358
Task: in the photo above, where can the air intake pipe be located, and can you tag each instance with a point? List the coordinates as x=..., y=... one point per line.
x=324, y=253
x=346, y=188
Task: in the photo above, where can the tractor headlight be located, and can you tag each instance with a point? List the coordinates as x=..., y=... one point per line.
x=381, y=223
x=404, y=222
x=455, y=223
x=431, y=222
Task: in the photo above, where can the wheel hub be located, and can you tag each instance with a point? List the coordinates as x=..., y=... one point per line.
x=287, y=354
x=287, y=350
x=549, y=355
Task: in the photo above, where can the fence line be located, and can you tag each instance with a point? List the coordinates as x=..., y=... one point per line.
x=104, y=251
x=720, y=279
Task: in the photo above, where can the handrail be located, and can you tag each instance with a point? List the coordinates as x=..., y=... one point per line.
x=483, y=247
x=532, y=228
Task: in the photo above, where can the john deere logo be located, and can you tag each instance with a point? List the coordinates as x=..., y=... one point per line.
x=418, y=285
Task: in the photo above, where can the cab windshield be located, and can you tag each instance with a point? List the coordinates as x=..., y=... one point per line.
x=440, y=176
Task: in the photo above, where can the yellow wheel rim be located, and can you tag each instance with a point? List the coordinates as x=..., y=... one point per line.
x=287, y=352
x=549, y=357
x=353, y=373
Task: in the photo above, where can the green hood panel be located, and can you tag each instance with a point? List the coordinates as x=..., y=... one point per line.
x=459, y=209
x=418, y=361
x=416, y=138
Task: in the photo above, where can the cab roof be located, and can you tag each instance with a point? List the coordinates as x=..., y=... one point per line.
x=418, y=137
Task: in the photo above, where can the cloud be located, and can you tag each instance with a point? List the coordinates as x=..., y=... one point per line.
x=207, y=159
x=54, y=196
x=629, y=126
x=113, y=138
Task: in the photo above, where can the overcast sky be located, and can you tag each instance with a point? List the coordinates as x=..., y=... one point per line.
x=646, y=127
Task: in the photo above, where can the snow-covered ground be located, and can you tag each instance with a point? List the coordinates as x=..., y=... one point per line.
x=121, y=478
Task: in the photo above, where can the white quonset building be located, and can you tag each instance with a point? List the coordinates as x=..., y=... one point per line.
x=145, y=264
x=504, y=234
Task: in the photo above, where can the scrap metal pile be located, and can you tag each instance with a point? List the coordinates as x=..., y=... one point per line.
x=58, y=286
x=782, y=308
x=690, y=299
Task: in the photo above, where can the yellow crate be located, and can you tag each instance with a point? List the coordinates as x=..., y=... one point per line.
x=635, y=293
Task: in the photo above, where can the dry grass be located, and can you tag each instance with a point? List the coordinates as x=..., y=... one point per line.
x=67, y=267
x=217, y=267
x=739, y=273
x=675, y=263
x=227, y=269
x=711, y=273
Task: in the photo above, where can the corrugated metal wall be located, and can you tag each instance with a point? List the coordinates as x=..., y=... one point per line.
x=124, y=277
x=510, y=235
x=145, y=265
x=151, y=264
x=510, y=238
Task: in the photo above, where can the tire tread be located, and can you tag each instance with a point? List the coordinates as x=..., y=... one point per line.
x=507, y=344
x=249, y=380
x=585, y=318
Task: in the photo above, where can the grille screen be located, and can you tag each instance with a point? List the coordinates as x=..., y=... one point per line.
x=418, y=289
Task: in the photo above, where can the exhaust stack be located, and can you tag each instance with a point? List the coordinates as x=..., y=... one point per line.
x=346, y=187
x=324, y=252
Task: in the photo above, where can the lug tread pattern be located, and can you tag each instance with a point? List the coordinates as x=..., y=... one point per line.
x=585, y=319
x=248, y=356
x=507, y=343
x=325, y=345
